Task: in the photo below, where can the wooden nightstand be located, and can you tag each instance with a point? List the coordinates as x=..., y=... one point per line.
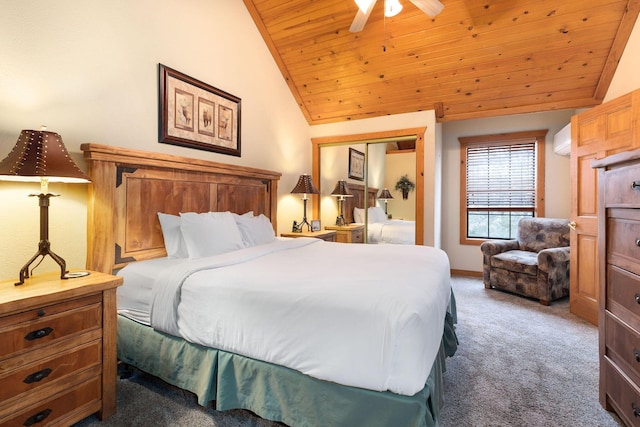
x=329, y=236
x=58, y=353
x=351, y=233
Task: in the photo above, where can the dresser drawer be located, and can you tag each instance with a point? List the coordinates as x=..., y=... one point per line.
x=49, y=324
x=357, y=236
x=623, y=295
x=622, y=187
x=623, y=395
x=63, y=408
x=623, y=242
x=27, y=378
x=623, y=346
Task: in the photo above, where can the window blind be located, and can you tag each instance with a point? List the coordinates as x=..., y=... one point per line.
x=501, y=177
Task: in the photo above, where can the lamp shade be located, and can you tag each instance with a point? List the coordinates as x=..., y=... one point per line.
x=305, y=185
x=385, y=195
x=40, y=154
x=341, y=189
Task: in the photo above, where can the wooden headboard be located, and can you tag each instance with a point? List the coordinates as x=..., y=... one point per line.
x=357, y=201
x=129, y=187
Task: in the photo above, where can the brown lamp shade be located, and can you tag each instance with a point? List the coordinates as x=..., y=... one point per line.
x=40, y=154
x=385, y=195
x=305, y=185
x=341, y=189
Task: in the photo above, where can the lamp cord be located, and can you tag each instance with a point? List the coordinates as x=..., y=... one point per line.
x=36, y=266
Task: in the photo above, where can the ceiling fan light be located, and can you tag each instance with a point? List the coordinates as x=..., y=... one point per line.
x=392, y=8
x=364, y=5
x=430, y=7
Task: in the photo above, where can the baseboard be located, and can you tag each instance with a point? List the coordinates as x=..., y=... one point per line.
x=466, y=273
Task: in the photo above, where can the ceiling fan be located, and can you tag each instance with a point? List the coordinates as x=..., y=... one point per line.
x=391, y=8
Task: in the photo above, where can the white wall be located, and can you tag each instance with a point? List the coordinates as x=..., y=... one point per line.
x=626, y=78
x=399, y=164
x=88, y=70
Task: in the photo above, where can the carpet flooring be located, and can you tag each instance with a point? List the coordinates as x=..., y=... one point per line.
x=518, y=364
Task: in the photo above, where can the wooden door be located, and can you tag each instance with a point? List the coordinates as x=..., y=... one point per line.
x=607, y=129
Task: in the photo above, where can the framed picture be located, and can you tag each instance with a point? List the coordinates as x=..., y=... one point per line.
x=196, y=115
x=315, y=225
x=356, y=164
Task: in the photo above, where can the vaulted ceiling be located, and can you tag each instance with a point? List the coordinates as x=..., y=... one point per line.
x=477, y=58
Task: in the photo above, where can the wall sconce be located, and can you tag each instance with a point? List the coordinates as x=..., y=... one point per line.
x=304, y=186
x=341, y=191
x=386, y=196
x=40, y=156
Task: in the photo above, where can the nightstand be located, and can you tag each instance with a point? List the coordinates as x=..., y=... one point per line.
x=58, y=352
x=329, y=236
x=351, y=233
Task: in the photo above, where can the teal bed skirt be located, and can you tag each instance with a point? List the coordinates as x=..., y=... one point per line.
x=275, y=392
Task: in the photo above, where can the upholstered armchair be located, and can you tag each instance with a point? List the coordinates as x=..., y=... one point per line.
x=535, y=264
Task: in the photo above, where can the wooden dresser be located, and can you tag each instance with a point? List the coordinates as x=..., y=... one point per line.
x=352, y=233
x=57, y=349
x=619, y=276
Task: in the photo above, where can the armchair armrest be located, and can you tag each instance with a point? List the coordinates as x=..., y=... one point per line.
x=490, y=248
x=554, y=258
x=493, y=247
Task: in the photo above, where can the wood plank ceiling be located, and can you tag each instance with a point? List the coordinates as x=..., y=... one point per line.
x=478, y=58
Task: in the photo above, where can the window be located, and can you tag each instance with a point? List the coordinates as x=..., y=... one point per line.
x=501, y=181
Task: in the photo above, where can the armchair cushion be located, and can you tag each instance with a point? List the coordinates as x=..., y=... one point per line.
x=517, y=261
x=536, y=234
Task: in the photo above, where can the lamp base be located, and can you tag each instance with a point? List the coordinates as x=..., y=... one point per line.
x=43, y=250
x=340, y=221
x=44, y=247
x=298, y=226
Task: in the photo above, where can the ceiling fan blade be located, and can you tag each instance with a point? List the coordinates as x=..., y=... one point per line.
x=430, y=7
x=361, y=18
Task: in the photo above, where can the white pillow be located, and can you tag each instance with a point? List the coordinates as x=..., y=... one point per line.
x=358, y=215
x=210, y=233
x=376, y=214
x=173, y=241
x=255, y=230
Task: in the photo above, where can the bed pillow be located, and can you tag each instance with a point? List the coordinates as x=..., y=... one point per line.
x=173, y=241
x=211, y=233
x=255, y=230
x=376, y=214
x=358, y=215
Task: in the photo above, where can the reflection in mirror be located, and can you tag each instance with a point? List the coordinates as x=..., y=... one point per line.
x=383, y=166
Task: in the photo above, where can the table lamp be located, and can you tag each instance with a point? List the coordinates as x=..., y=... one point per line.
x=304, y=186
x=386, y=196
x=341, y=191
x=40, y=156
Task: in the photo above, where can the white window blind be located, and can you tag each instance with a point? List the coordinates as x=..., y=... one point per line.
x=501, y=177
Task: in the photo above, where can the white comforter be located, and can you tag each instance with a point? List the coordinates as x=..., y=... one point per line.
x=395, y=231
x=368, y=316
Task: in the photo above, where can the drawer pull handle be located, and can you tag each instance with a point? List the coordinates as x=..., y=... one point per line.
x=37, y=418
x=635, y=185
x=636, y=353
x=636, y=410
x=637, y=297
x=41, y=313
x=40, y=333
x=40, y=375
x=638, y=241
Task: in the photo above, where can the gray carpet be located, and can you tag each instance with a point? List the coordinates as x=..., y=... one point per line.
x=519, y=364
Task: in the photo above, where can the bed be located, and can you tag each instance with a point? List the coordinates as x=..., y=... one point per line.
x=395, y=378
x=380, y=230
